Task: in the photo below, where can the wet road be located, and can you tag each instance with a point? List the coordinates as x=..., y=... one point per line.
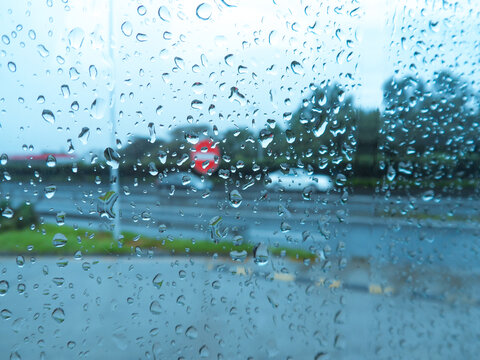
x=407, y=287
x=440, y=232
x=199, y=308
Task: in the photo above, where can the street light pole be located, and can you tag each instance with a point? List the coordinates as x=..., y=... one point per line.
x=114, y=171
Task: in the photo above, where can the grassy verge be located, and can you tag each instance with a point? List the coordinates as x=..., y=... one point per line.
x=40, y=242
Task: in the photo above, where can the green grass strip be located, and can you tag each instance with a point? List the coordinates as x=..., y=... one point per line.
x=90, y=242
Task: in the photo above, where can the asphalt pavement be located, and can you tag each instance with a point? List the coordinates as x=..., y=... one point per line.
x=397, y=278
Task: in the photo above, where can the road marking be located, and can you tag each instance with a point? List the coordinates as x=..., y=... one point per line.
x=375, y=289
x=335, y=284
x=241, y=270
x=283, y=277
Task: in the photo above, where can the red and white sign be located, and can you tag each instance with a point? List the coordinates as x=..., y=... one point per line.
x=206, y=156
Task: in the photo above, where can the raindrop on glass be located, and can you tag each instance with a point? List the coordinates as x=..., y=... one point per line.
x=48, y=116
x=4, y=286
x=127, y=28
x=235, y=198
x=59, y=240
x=58, y=315
x=112, y=158
x=164, y=14
x=84, y=135
x=51, y=161
x=155, y=307
x=98, y=107
x=260, y=254
x=75, y=38
x=204, y=11
x=11, y=66
x=50, y=191
x=297, y=68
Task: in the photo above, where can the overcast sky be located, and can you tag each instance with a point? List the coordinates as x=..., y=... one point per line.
x=270, y=50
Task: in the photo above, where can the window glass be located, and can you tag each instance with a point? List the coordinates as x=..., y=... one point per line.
x=239, y=179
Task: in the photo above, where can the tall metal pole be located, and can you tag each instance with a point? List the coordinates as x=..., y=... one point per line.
x=114, y=173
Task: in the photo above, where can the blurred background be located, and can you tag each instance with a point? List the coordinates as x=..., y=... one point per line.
x=239, y=179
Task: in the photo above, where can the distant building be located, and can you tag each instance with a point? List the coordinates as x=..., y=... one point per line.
x=42, y=158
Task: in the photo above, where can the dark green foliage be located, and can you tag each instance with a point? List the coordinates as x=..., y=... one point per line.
x=24, y=216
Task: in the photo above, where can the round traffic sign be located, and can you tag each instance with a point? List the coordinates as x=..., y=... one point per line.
x=206, y=156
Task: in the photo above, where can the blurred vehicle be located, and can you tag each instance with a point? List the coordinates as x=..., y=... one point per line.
x=184, y=180
x=298, y=180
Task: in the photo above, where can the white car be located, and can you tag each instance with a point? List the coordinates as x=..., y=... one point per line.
x=298, y=180
x=184, y=180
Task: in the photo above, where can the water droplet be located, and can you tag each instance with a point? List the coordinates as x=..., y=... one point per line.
x=428, y=195
x=92, y=70
x=5, y=39
x=58, y=315
x=239, y=256
x=319, y=128
x=340, y=180
x=84, y=135
x=105, y=204
x=5, y=314
x=290, y=136
x=50, y=191
x=266, y=137
x=162, y=156
x=48, y=116
x=186, y=179
x=4, y=286
x=51, y=161
x=98, y=107
x=235, y=198
x=158, y=281
x=75, y=106
x=204, y=352
x=159, y=109
x=3, y=159
x=192, y=137
x=75, y=38
x=20, y=260
x=260, y=254
x=152, y=169
x=391, y=173
x=155, y=307
x=215, y=230
x=127, y=28
x=285, y=227
x=43, y=51
x=273, y=38
x=14, y=355
x=141, y=10
x=60, y=218
x=151, y=131
x=164, y=14
x=191, y=332
x=112, y=158
x=204, y=11
x=141, y=37
x=65, y=91
x=197, y=104
x=59, y=240
x=73, y=73
x=12, y=66
x=297, y=68
x=8, y=213
x=307, y=193
x=434, y=26
x=198, y=88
